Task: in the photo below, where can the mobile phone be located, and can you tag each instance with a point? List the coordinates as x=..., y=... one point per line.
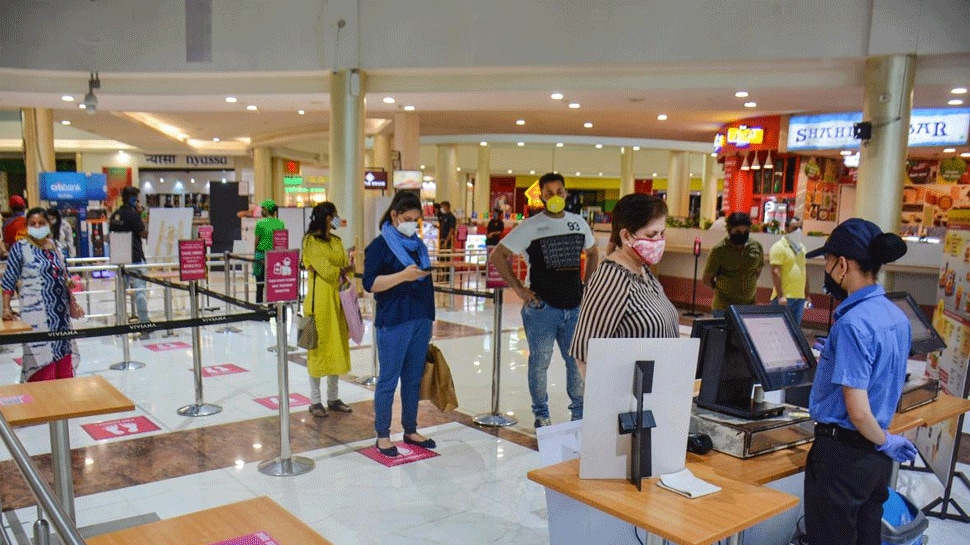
x=429, y=268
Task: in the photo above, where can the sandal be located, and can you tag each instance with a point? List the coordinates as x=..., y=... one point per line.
x=317, y=409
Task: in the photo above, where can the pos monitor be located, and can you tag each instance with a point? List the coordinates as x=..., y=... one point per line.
x=925, y=339
x=756, y=345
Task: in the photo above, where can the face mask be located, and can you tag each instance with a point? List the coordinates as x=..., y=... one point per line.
x=407, y=228
x=555, y=204
x=39, y=233
x=335, y=223
x=795, y=237
x=133, y=201
x=833, y=288
x=650, y=250
x=739, y=239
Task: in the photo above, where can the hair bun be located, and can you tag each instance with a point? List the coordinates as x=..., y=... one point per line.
x=887, y=247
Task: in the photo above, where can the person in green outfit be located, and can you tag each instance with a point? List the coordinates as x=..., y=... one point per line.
x=733, y=266
x=264, y=241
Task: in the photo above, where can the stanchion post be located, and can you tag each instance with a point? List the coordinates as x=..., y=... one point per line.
x=495, y=418
x=693, y=295
x=286, y=464
x=61, y=465
x=200, y=407
x=168, y=310
x=372, y=379
x=126, y=364
x=228, y=328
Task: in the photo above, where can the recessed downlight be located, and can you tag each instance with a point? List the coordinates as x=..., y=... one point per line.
x=532, y=172
x=300, y=112
x=958, y=91
x=954, y=102
x=636, y=148
x=65, y=122
x=559, y=144
x=409, y=108
x=588, y=125
x=510, y=171
x=949, y=150
x=67, y=98
x=654, y=174
x=574, y=105
x=252, y=107
x=556, y=96
x=741, y=94
x=599, y=146
x=845, y=153
x=483, y=143
x=662, y=117
x=750, y=104
x=232, y=100
x=458, y=169
x=389, y=100
x=578, y=173
x=520, y=144
x=216, y=139
x=520, y=121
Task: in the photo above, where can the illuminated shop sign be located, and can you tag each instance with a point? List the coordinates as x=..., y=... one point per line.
x=927, y=127
x=743, y=136
x=188, y=160
x=292, y=180
x=73, y=186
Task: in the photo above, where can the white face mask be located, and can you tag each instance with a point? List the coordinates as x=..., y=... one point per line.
x=407, y=228
x=795, y=237
x=335, y=223
x=39, y=233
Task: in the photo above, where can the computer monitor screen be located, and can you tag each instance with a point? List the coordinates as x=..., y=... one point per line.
x=925, y=338
x=699, y=330
x=773, y=344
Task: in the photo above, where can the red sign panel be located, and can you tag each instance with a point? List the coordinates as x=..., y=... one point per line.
x=273, y=402
x=281, y=239
x=205, y=233
x=120, y=428
x=224, y=369
x=164, y=347
x=191, y=260
x=282, y=275
x=259, y=538
x=492, y=278
x=16, y=400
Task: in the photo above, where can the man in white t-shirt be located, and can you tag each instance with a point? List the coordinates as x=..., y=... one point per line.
x=552, y=243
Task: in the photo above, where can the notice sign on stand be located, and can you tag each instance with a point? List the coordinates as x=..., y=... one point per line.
x=282, y=275
x=191, y=260
x=281, y=239
x=205, y=233
x=492, y=278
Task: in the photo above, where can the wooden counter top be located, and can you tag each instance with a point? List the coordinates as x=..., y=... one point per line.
x=664, y=513
x=219, y=524
x=63, y=398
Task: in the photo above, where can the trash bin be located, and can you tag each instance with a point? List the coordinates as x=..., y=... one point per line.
x=902, y=522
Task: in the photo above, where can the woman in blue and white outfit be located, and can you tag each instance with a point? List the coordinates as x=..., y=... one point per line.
x=39, y=266
x=396, y=271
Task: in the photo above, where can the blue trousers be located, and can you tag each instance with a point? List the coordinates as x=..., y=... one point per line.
x=795, y=306
x=545, y=326
x=401, y=352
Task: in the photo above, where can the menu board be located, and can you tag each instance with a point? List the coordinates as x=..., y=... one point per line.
x=950, y=364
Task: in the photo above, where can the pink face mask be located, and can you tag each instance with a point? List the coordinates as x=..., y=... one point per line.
x=650, y=250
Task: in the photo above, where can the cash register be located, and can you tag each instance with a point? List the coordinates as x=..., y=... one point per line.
x=925, y=339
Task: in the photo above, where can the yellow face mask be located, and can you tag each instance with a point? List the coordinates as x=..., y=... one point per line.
x=555, y=204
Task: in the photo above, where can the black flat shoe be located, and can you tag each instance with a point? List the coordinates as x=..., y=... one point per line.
x=427, y=443
x=389, y=452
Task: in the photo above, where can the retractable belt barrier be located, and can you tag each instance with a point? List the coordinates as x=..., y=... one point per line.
x=202, y=291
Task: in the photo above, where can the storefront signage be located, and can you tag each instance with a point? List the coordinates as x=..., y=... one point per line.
x=292, y=180
x=927, y=127
x=744, y=136
x=375, y=179
x=534, y=195
x=73, y=186
x=188, y=160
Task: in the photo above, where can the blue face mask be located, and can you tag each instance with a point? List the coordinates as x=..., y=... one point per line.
x=39, y=233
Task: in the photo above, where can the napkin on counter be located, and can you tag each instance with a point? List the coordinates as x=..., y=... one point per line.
x=685, y=483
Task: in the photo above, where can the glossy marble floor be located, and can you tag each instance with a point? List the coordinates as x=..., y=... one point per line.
x=474, y=492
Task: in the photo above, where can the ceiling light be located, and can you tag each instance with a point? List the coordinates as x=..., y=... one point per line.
x=82, y=106
x=510, y=171
x=556, y=96
x=741, y=94
x=67, y=98
x=768, y=162
x=714, y=154
x=578, y=173
x=954, y=102
x=754, y=164
x=458, y=169
x=520, y=121
x=520, y=144
x=965, y=154
x=483, y=143
x=601, y=173
x=252, y=107
x=300, y=112
x=662, y=117
x=422, y=167
x=389, y=100
x=959, y=90
x=588, y=125
x=751, y=104
x=409, y=108
x=744, y=164
x=949, y=150
x=232, y=100
x=574, y=105
x=559, y=144
x=161, y=180
x=532, y=172
x=216, y=139
x=654, y=174
x=90, y=101
x=636, y=148
x=469, y=184
x=65, y=122
x=599, y=146
x=182, y=136
x=192, y=180
x=845, y=152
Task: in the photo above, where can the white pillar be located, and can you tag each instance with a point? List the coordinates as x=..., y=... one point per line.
x=882, y=162
x=483, y=181
x=627, y=186
x=709, y=189
x=678, y=184
x=37, y=127
x=382, y=151
x=407, y=134
x=262, y=174
x=446, y=176
x=345, y=190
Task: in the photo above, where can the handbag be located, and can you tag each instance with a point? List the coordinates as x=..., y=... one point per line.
x=307, y=328
x=437, y=384
x=351, y=306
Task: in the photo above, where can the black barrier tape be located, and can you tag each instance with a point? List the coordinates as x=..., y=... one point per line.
x=470, y=293
x=256, y=307
x=107, y=331
x=153, y=280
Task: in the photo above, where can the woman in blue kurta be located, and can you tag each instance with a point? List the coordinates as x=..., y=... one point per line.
x=396, y=268
x=39, y=266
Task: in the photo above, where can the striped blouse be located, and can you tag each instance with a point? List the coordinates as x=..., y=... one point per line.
x=622, y=305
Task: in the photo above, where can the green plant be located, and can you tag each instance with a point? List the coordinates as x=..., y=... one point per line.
x=681, y=223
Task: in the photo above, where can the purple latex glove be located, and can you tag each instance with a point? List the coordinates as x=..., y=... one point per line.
x=898, y=448
x=819, y=343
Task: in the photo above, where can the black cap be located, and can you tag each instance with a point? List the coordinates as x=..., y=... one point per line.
x=862, y=241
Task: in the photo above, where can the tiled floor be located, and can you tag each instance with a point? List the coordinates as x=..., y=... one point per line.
x=474, y=492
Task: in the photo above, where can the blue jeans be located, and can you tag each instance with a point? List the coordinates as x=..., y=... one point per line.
x=139, y=294
x=545, y=326
x=401, y=351
x=795, y=306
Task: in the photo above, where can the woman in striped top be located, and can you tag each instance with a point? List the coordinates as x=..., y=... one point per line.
x=623, y=299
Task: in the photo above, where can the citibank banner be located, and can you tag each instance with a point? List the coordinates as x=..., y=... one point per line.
x=927, y=127
x=73, y=186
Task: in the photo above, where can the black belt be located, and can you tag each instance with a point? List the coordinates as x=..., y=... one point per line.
x=844, y=435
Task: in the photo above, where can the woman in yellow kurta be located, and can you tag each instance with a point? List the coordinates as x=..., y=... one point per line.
x=326, y=262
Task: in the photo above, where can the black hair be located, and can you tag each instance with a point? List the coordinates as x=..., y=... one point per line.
x=634, y=211
x=127, y=193
x=885, y=248
x=54, y=216
x=320, y=220
x=550, y=177
x=738, y=218
x=446, y=203
x=37, y=210
x=401, y=203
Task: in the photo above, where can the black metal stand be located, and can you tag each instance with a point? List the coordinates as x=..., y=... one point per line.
x=639, y=424
x=693, y=295
x=947, y=500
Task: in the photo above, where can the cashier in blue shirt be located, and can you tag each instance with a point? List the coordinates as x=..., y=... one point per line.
x=857, y=386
